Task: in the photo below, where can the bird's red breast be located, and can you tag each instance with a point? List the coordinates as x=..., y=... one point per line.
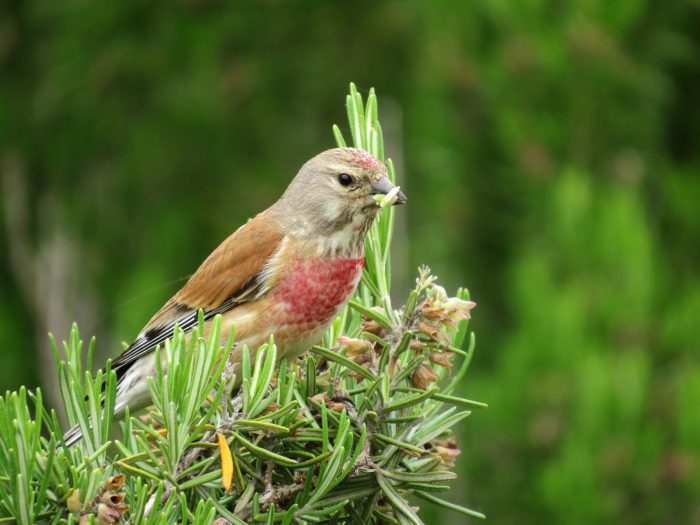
x=313, y=291
x=306, y=295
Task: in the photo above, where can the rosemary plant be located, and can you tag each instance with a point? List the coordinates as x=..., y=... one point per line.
x=356, y=431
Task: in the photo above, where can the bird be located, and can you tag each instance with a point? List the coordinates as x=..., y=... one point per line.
x=285, y=273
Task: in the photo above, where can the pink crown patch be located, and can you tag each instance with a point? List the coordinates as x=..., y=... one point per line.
x=364, y=160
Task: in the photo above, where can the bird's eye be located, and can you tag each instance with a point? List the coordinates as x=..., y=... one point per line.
x=345, y=179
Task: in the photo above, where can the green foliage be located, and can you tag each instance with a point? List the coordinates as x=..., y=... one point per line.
x=592, y=417
x=349, y=433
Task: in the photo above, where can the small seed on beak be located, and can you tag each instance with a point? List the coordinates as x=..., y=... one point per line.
x=391, y=198
x=386, y=194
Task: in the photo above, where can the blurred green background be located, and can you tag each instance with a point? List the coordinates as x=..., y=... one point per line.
x=550, y=152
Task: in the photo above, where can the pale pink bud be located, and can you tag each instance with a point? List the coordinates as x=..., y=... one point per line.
x=107, y=515
x=353, y=347
x=447, y=450
x=459, y=309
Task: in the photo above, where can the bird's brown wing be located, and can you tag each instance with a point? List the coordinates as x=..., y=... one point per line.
x=233, y=274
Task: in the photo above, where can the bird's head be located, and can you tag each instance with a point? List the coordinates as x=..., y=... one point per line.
x=335, y=194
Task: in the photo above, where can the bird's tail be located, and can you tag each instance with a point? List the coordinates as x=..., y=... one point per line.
x=130, y=391
x=74, y=435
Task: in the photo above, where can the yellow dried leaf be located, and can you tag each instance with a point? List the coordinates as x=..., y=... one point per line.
x=161, y=432
x=226, y=461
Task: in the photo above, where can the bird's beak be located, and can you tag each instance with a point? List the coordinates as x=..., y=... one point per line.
x=384, y=186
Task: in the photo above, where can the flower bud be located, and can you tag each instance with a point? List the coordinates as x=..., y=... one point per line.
x=107, y=515
x=438, y=293
x=447, y=450
x=354, y=347
x=73, y=501
x=441, y=359
x=459, y=309
x=321, y=397
x=115, y=482
x=430, y=331
x=423, y=376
